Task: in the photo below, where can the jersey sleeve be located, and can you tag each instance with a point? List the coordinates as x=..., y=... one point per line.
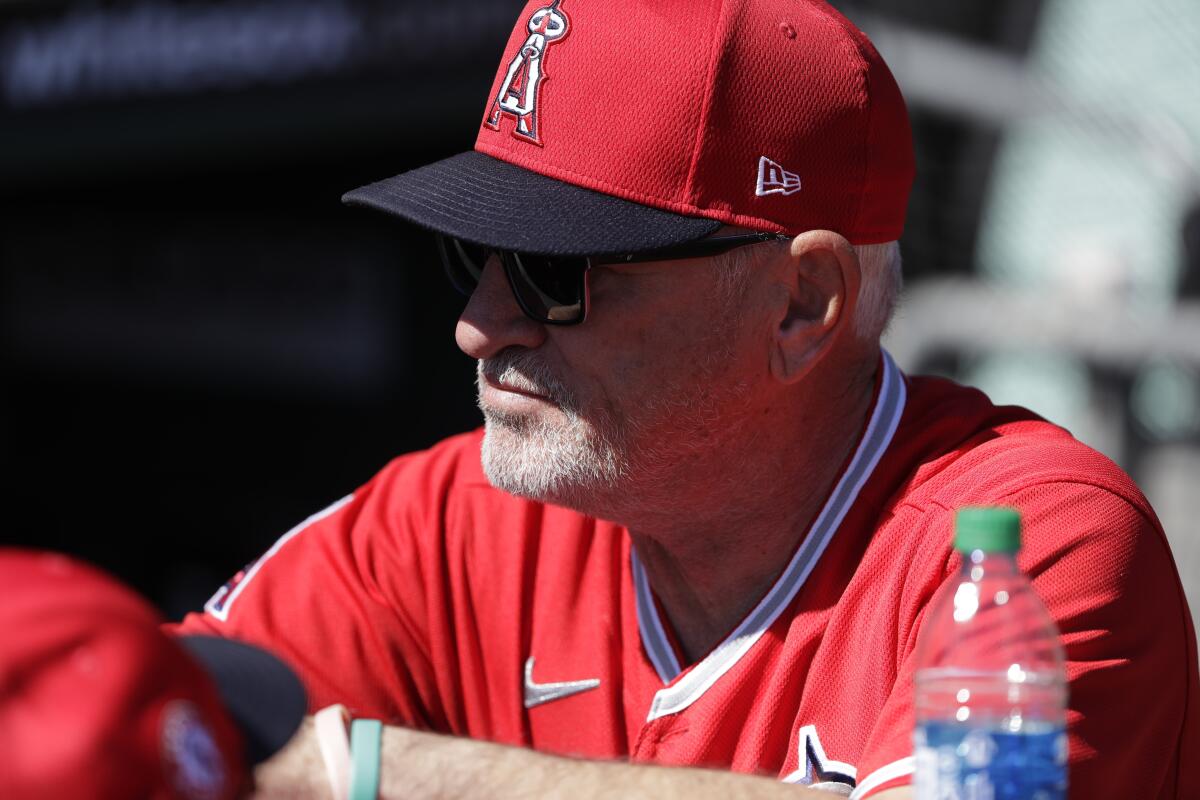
x=1103, y=568
x=347, y=598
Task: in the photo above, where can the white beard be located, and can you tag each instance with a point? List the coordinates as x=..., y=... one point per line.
x=599, y=465
x=546, y=460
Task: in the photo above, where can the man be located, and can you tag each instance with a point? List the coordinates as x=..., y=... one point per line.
x=707, y=514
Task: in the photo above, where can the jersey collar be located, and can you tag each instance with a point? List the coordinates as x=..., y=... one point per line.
x=884, y=419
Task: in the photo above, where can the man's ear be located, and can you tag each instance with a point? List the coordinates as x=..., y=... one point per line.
x=822, y=279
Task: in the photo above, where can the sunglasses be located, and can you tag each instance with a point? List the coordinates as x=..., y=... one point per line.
x=553, y=290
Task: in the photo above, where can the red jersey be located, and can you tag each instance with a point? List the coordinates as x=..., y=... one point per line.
x=428, y=598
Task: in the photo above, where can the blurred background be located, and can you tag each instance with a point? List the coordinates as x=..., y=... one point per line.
x=202, y=346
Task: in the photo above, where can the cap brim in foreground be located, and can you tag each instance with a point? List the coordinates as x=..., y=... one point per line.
x=487, y=201
x=262, y=694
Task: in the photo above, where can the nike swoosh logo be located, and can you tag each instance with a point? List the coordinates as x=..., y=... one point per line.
x=538, y=693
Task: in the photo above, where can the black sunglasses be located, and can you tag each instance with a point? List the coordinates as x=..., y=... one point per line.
x=553, y=290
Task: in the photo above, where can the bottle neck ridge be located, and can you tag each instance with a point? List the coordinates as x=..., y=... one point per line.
x=977, y=563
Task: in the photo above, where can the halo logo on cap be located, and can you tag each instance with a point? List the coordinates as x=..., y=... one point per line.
x=518, y=93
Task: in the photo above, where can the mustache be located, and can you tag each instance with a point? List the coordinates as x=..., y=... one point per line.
x=528, y=372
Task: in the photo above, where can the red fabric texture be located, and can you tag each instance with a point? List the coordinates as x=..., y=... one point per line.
x=95, y=701
x=421, y=600
x=672, y=104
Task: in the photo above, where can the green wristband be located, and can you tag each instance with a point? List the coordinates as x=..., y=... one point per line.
x=366, y=738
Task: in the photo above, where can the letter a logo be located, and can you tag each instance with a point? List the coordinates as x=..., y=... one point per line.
x=518, y=93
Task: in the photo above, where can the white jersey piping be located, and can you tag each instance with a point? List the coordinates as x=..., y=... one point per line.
x=218, y=605
x=888, y=772
x=654, y=637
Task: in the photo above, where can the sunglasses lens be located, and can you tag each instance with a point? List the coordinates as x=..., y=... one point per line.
x=463, y=261
x=550, y=288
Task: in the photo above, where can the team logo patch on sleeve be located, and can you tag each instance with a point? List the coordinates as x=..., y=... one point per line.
x=218, y=605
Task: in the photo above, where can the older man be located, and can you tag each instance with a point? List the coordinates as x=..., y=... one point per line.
x=707, y=513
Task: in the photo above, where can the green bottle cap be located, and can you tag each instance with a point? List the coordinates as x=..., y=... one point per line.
x=990, y=529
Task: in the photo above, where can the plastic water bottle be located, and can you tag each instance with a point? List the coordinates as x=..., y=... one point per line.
x=991, y=690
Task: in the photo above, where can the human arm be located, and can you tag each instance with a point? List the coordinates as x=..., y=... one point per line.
x=424, y=766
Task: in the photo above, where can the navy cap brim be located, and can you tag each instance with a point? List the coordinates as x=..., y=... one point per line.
x=263, y=696
x=484, y=200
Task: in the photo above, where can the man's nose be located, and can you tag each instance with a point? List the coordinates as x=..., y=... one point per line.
x=492, y=319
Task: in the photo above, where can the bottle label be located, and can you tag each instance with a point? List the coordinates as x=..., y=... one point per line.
x=956, y=762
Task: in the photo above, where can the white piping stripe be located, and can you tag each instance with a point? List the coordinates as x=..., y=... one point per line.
x=885, y=418
x=222, y=613
x=888, y=772
x=658, y=646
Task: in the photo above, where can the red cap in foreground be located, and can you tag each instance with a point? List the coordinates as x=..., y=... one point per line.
x=95, y=701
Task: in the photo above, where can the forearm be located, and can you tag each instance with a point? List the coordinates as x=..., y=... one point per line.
x=424, y=766
x=430, y=767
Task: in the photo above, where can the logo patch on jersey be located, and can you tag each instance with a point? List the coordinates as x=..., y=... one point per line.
x=218, y=605
x=774, y=179
x=538, y=693
x=818, y=770
x=221, y=598
x=518, y=95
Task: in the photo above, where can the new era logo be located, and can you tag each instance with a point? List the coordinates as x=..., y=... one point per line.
x=774, y=179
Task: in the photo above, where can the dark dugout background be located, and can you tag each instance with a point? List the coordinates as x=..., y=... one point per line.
x=201, y=346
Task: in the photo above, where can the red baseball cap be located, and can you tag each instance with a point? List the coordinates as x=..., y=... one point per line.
x=97, y=702
x=628, y=125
